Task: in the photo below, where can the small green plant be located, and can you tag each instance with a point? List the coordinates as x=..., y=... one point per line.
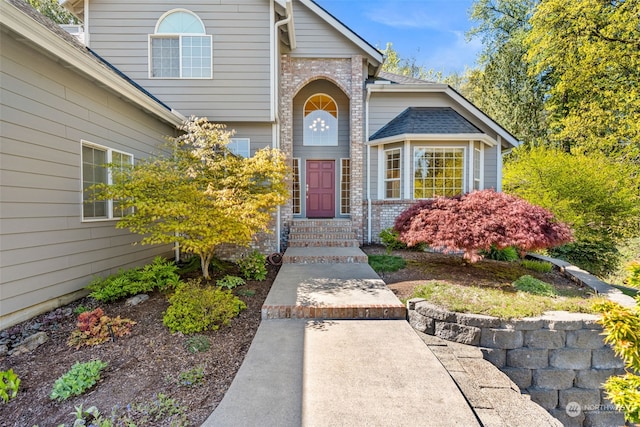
x=80, y=309
x=90, y=415
x=95, y=328
x=191, y=377
x=160, y=274
x=80, y=378
x=161, y=408
x=245, y=292
x=253, y=266
x=633, y=268
x=539, y=266
x=197, y=344
x=386, y=263
x=9, y=384
x=621, y=326
x=390, y=240
x=507, y=254
x=534, y=286
x=196, y=308
x=230, y=282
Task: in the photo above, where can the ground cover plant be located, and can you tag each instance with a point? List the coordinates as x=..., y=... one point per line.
x=142, y=384
x=485, y=287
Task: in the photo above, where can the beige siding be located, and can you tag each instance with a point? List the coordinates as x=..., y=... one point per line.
x=317, y=39
x=260, y=134
x=240, y=87
x=490, y=167
x=46, y=251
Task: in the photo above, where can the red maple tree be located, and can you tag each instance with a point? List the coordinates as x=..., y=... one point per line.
x=479, y=220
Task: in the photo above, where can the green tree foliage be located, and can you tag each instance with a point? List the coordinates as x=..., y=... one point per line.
x=52, y=10
x=394, y=63
x=597, y=196
x=502, y=87
x=589, y=51
x=199, y=194
x=622, y=328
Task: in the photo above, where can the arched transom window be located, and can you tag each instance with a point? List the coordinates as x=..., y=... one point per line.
x=320, y=121
x=180, y=47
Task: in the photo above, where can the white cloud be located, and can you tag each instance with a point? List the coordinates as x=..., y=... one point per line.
x=405, y=14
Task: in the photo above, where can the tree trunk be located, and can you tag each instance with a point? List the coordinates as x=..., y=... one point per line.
x=205, y=260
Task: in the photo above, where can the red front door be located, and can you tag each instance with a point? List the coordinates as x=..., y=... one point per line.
x=321, y=188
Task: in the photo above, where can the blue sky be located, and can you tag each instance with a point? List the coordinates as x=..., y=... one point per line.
x=432, y=31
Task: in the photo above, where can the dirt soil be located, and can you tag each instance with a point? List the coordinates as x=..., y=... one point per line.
x=427, y=266
x=140, y=365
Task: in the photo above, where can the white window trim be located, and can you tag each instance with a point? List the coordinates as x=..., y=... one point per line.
x=297, y=160
x=247, y=140
x=179, y=35
x=465, y=166
x=109, y=152
x=342, y=159
x=384, y=174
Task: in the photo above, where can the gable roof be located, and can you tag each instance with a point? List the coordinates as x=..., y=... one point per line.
x=425, y=121
x=19, y=17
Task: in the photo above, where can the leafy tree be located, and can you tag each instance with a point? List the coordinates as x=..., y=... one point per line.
x=621, y=328
x=477, y=221
x=502, y=86
x=590, y=52
x=52, y=10
x=199, y=194
x=598, y=197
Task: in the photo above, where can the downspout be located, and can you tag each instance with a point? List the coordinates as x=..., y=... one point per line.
x=274, y=102
x=368, y=163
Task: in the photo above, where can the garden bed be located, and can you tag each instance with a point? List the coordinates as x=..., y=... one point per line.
x=142, y=366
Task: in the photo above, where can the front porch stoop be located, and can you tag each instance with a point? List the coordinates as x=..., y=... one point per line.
x=323, y=241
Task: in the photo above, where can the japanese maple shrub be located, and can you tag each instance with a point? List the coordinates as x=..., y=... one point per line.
x=477, y=221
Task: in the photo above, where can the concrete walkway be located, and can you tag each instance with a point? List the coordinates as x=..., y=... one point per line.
x=333, y=349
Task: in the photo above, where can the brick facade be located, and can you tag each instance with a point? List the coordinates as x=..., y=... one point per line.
x=384, y=213
x=348, y=74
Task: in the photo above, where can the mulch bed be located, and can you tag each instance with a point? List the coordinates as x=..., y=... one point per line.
x=141, y=365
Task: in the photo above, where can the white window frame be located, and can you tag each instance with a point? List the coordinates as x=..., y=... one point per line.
x=234, y=144
x=386, y=180
x=109, y=157
x=295, y=167
x=478, y=170
x=342, y=182
x=180, y=37
x=465, y=166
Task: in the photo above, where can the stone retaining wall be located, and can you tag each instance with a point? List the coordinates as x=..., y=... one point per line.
x=558, y=359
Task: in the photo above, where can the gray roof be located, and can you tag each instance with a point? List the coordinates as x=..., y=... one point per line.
x=400, y=79
x=426, y=120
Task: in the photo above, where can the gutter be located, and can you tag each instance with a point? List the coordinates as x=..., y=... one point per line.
x=288, y=21
x=368, y=163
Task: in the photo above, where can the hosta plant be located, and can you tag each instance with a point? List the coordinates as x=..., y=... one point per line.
x=9, y=383
x=80, y=378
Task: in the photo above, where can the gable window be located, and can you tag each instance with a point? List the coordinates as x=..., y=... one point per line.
x=438, y=172
x=240, y=147
x=95, y=171
x=392, y=174
x=320, y=121
x=180, y=48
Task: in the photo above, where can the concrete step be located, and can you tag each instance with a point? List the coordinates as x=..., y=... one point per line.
x=337, y=243
x=331, y=291
x=329, y=222
x=323, y=255
x=318, y=229
x=320, y=235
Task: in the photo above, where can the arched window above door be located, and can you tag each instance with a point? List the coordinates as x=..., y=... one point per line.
x=320, y=121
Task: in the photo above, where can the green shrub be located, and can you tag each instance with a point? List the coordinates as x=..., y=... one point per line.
x=161, y=274
x=386, y=263
x=539, y=266
x=390, y=239
x=9, y=383
x=197, y=344
x=596, y=257
x=507, y=254
x=230, y=282
x=195, y=308
x=534, y=286
x=634, y=274
x=80, y=378
x=253, y=266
